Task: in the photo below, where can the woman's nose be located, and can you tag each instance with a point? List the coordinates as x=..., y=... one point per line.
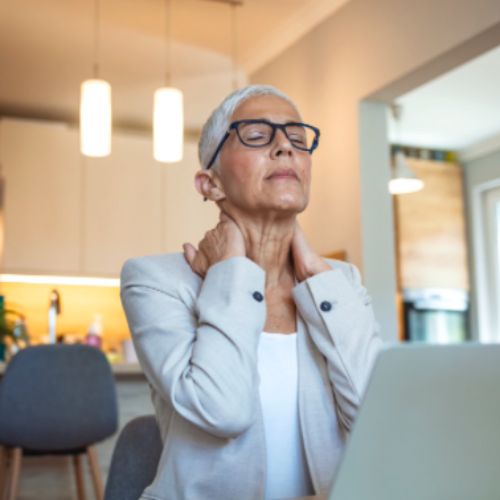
x=281, y=144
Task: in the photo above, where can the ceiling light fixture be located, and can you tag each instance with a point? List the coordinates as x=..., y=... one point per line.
x=168, y=111
x=403, y=179
x=95, y=105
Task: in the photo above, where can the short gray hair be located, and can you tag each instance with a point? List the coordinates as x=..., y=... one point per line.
x=217, y=124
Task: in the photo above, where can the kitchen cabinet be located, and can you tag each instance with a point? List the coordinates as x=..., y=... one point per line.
x=41, y=197
x=122, y=205
x=137, y=206
x=68, y=214
x=186, y=216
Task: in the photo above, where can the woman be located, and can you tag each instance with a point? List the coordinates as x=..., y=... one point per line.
x=257, y=349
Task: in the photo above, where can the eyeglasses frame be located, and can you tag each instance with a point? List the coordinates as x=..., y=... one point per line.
x=281, y=126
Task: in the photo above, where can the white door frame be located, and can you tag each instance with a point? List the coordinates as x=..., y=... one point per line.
x=485, y=282
x=377, y=220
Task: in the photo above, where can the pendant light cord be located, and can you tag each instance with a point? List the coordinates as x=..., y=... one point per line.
x=97, y=29
x=397, y=111
x=234, y=44
x=168, y=55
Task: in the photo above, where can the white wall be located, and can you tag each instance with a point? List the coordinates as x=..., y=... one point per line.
x=370, y=49
x=482, y=170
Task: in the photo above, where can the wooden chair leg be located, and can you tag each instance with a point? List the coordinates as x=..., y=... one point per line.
x=17, y=454
x=5, y=453
x=80, y=483
x=96, y=472
x=3, y=469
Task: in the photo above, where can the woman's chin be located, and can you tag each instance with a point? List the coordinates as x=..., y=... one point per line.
x=288, y=203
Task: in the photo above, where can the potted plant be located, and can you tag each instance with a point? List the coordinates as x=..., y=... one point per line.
x=12, y=329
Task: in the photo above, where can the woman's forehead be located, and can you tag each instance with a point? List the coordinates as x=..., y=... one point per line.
x=270, y=107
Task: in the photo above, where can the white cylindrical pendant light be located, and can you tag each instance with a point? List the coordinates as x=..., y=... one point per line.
x=405, y=186
x=168, y=125
x=404, y=180
x=95, y=118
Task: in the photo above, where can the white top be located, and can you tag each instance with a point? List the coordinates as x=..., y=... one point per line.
x=286, y=465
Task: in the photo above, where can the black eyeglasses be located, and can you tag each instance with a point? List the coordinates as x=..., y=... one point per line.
x=258, y=133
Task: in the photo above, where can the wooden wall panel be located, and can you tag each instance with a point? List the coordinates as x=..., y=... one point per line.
x=431, y=229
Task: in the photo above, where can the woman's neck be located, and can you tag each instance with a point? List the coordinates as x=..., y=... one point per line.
x=268, y=243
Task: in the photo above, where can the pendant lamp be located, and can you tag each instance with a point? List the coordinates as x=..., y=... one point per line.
x=168, y=111
x=95, y=106
x=403, y=179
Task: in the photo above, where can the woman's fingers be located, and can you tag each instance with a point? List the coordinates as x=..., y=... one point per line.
x=196, y=259
x=189, y=253
x=306, y=261
x=222, y=242
x=299, y=242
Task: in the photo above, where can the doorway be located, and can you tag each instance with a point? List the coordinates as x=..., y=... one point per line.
x=379, y=249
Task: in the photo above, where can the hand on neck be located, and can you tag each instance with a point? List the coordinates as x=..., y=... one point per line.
x=268, y=238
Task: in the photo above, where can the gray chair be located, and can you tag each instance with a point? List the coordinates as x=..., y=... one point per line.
x=56, y=400
x=135, y=459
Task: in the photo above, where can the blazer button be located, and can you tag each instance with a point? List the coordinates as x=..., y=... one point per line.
x=325, y=306
x=258, y=296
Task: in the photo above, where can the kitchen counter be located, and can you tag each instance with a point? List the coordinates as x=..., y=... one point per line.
x=119, y=369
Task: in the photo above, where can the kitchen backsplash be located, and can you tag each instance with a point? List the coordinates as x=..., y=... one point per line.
x=79, y=305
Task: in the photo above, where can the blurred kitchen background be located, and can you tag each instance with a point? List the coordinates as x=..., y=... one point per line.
x=399, y=89
x=447, y=134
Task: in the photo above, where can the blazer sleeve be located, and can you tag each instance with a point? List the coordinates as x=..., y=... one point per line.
x=341, y=323
x=202, y=361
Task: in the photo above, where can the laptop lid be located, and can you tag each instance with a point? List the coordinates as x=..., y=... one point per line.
x=428, y=427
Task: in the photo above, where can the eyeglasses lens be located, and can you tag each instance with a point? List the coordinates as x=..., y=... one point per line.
x=260, y=134
x=301, y=137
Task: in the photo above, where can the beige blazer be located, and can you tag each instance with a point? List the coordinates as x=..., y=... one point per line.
x=197, y=343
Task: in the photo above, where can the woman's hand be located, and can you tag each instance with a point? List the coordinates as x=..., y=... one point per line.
x=222, y=242
x=306, y=261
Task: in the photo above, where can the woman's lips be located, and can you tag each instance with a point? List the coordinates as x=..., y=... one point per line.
x=284, y=174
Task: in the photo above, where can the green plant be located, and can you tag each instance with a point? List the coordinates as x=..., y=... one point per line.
x=12, y=326
x=13, y=331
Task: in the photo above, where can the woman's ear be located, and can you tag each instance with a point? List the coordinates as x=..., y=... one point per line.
x=208, y=185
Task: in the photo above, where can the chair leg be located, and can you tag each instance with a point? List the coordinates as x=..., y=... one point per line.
x=17, y=454
x=3, y=469
x=5, y=453
x=96, y=472
x=80, y=484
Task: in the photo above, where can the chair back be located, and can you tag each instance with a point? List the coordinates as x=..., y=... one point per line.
x=57, y=398
x=135, y=459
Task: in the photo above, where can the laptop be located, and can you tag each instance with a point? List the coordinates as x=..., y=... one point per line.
x=428, y=427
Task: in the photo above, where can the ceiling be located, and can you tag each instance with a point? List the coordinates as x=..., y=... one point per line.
x=46, y=51
x=459, y=110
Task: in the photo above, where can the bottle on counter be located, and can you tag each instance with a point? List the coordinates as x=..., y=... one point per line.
x=54, y=311
x=21, y=333
x=94, y=333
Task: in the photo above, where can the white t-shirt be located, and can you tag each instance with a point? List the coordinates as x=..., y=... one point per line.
x=287, y=474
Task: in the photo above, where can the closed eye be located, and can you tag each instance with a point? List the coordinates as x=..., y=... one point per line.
x=254, y=137
x=298, y=139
